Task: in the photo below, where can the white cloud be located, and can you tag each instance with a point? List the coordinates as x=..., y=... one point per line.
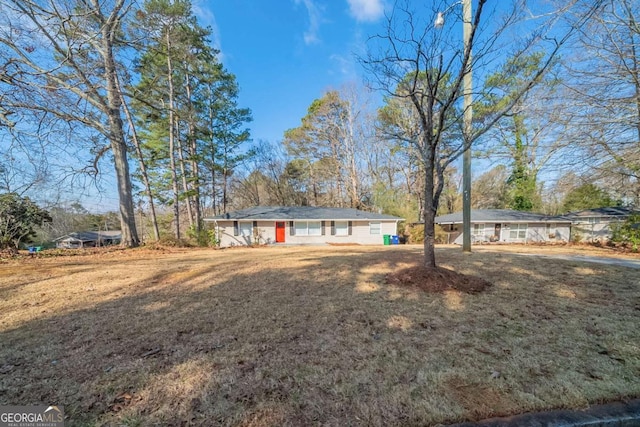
x=315, y=15
x=202, y=11
x=343, y=65
x=366, y=10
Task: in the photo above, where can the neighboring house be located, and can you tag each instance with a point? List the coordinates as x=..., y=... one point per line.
x=504, y=225
x=88, y=239
x=302, y=225
x=595, y=224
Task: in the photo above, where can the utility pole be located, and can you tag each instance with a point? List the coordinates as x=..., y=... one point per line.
x=468, y=119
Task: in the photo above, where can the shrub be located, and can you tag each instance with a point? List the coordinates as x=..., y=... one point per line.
x=171, y=241
x=628, y=232
x=576, y=237
x=203, y=238
x=416, y=234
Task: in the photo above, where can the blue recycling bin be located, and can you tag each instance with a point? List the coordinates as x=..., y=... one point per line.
x=395, y=240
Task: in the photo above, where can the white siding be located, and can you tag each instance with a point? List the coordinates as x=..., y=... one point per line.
x=535, y=232
x=591, y=229
x=265, y=233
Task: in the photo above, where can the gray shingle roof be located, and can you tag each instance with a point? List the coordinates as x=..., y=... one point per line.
x=90, y=236
x=615, y=212
x=498, y=215
x=300, y=213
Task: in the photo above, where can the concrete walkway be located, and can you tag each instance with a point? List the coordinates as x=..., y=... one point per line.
x=622, y=262
x=616, y=414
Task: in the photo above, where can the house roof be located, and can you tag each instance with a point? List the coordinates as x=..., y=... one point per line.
x=498, y=215
x=90, y=236
x=614, y=212
x=265, y=213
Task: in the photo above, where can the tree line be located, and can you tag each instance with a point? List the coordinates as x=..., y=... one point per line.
x=135, y=84
x=555, y=110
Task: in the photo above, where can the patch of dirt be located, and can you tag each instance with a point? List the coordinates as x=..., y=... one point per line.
x=437, y=280
x=482, y=400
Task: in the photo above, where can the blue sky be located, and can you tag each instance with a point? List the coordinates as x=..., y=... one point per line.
x=286, y=53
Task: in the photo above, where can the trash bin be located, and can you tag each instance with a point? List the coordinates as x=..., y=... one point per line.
x=395, y=240
x=387, y=239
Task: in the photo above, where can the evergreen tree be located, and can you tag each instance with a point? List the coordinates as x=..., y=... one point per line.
x=587, y=196
x=192, y=130
x=18, y=218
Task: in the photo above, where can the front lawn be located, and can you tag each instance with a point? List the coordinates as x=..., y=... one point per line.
x=311, y=335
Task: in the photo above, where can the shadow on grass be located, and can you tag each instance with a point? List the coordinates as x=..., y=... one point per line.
x=277, y=337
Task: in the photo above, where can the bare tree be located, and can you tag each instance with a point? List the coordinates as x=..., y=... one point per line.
x=61, y=61
x=604, y=95
x=421, y=71
x=489, y=190
x=331, y=146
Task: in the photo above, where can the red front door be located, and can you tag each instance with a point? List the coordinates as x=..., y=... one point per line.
x=280, y=232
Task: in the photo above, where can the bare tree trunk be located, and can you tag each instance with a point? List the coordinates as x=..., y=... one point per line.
x=195, y=171
x=353, y=141
x=225, y=180
x=212, y=148
x=172, y=135
x=314, y=184
x=429, y=220
x=185, y=183
x=194, y=188
x=116, y=132
x=143, y=168
x=214, y=203
x=635, y=72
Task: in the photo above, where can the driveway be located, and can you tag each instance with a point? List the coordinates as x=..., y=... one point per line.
x=557, y=253
x=631, y=263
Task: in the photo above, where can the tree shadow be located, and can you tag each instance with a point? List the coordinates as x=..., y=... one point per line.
x=270, y=336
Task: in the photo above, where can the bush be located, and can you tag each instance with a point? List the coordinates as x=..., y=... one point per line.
x=172, y=242
x=628, y=232
x=416, y=234
x=576, y=237
x=202, y=238
x=441, y=235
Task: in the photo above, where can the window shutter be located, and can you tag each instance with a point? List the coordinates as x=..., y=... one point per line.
x=333, y=228
x=349, y=228
x=235, y=228
x=292, y=229
x=322, y=232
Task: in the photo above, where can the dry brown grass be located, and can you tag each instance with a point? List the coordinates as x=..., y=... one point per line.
x=310, y=336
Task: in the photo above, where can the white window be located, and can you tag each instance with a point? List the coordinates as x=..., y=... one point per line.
x=594, y=220
x=245, y=228
x=315, y=228
x=308, y=228
x=374, y=228
x=518, y=232
x=342, y=228
x=478, y=230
